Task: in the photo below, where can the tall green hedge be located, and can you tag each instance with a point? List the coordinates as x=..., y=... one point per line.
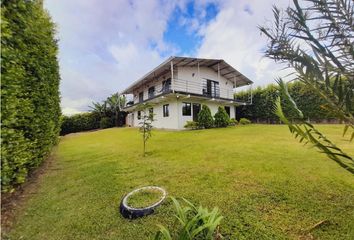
x=262, y=110
x=30, y=102
x=80, y=122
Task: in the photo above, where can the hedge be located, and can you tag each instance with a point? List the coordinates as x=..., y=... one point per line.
x=30, y=102
x=79, y=122
x=262, y=109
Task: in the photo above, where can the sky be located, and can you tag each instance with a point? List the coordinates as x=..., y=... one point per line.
x=104, y=46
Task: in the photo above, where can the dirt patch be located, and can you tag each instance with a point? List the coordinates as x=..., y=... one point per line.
x=13, y=203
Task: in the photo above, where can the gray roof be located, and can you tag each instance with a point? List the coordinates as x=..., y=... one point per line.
x=226, y=70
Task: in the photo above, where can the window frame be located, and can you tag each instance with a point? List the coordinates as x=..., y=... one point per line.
x=141, y=97
x=151, y=92
x=166, y=110
x=139, y=115
x=187, y=112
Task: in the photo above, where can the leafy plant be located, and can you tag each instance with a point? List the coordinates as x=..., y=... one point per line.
x=244, y=121
x=194, y=223
x=106, y=122
x=205, y=119
x=233, y=122
x=116, y=103
x=191, y=125
x=221, y=118
x=145, y=124
x=316, y=40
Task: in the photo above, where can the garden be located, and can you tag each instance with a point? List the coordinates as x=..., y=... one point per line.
x=265, y=185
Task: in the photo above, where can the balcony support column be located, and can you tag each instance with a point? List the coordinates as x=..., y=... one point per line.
x=172, y=78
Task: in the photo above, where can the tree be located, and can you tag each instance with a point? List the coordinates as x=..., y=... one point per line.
x=116, y=103
x=99, y=108
x=221, y=118
x=205, y=119
x=145, y=124
x=316, y=41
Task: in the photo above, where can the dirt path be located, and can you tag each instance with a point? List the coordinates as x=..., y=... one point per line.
x=13, y=203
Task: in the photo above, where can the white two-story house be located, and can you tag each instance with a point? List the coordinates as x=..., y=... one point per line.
x=178, y=87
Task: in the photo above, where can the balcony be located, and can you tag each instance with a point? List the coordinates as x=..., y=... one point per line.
x=206, y=88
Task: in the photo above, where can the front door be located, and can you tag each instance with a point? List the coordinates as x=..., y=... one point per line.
x=196, y=110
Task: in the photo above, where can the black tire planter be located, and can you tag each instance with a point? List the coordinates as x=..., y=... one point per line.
x=133, y=213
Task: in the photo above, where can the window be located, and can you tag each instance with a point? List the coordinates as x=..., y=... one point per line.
x=141, y=97
x=227, y=109
x=166, y=85
x=139, y=115
x=166, y=111
x=151, y=113
x=151, y=92
x=211, y=88
x=186, y=109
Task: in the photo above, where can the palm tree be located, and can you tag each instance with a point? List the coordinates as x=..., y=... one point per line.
x=99, y=108
x=116, y=102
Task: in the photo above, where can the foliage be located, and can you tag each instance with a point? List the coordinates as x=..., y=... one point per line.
x=244, y=121
x=106, y=122
x=145, y=123
x=195, y=223
x=221, y=118
x=115, y=104
x=264, y=99
x=315, y=40
x=191, y=125
x=30, y=111
x=233, y=122
x=205, y=119
x=111, y=108
x=79, y=122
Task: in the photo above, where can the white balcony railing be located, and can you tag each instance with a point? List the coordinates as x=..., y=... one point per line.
x=202, y=88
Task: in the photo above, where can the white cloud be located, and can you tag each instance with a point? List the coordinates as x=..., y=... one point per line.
x=234, y=36
x=104, y=46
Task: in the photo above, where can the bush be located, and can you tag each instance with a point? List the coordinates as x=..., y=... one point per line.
x=191, y=125
x=79, y=122
x=244, y=121
x=233, y=122
x=194, y=222
x=221, y=118
x=30, y=102
x=205, y=119
x=106, y=122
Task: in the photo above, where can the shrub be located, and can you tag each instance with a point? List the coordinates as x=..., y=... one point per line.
x=79, y=122
x=191, y=125
x=194, y=223
x=244, y=121
x=233, y=122
x=205, y=119
x=221, y=118
x=30, y=109
x=106, y=122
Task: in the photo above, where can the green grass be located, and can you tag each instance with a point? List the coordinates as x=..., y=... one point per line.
x=266, y=185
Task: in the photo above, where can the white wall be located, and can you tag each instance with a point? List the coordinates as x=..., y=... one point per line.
x=170, y=122
x=212, y=105
x=188, y=81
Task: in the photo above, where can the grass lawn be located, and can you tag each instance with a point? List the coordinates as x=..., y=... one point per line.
x=266, y=184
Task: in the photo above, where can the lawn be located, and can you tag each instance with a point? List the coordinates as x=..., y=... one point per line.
x=266, y=184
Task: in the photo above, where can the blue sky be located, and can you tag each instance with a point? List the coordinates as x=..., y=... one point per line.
x=106, y=45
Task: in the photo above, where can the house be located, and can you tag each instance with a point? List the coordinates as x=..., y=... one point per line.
x=178, y=87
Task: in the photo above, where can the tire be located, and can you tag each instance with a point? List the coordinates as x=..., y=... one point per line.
x=133, y=213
